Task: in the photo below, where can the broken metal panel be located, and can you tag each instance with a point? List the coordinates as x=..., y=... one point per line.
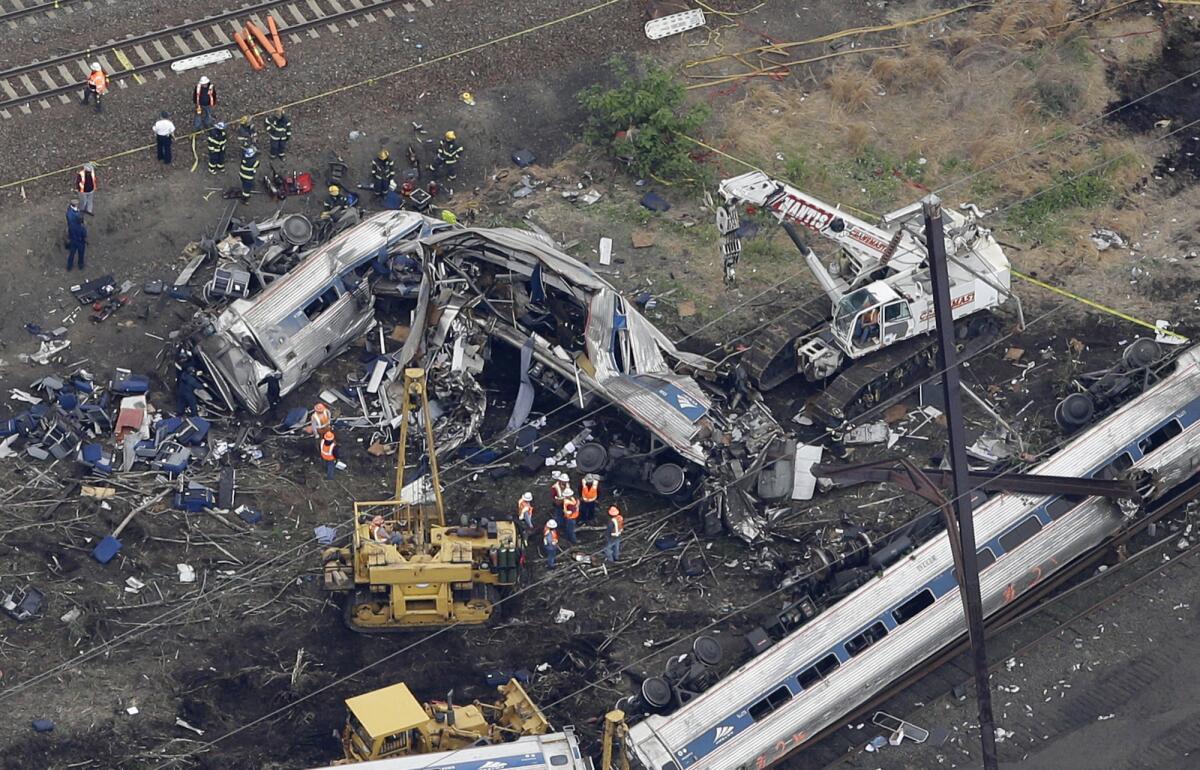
x=306, y=317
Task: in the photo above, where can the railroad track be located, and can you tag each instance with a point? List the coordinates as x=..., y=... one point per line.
x=12, y=10
x=134, y=59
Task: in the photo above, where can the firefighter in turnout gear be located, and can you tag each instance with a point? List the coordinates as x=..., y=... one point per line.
x=449, y=153
x=383, y=168
x=336, y=198
x=247, y=172
x=279, y=128
x=247, y=133
x=217, y=138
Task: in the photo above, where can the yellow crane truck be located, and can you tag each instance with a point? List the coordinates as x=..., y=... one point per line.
x=391, y=722
x=405, y=568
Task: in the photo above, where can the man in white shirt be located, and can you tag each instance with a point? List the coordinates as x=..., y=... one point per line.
x=164, y=134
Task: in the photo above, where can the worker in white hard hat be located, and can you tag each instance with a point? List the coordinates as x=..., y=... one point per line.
x=205, y=99
x=550, y=542
x=570, y=515
x=97, y=85
x=525, y=515
x=561, y=484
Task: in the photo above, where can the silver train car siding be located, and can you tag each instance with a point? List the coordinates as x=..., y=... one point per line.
x=789, y=693
x=553, y=751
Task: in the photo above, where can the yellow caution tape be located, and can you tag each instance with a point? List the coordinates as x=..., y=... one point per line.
x=1097, y=306
x=351, y=86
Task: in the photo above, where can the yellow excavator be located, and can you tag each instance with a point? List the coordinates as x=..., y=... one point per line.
x=405, y=568
x=390, y=722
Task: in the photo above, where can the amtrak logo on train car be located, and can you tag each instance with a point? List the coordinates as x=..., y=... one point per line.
x=713, y=738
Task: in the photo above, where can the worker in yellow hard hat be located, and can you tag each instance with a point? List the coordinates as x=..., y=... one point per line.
x=336, y=198
x=383, y=168
x=449, y=153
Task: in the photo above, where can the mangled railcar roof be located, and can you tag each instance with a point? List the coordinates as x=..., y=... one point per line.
x=632, y=361
x=278, y=302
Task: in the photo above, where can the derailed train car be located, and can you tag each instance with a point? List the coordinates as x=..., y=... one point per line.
x=306, y=317
x=847, y=655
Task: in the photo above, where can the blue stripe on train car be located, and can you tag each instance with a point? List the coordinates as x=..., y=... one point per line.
x=503, y=763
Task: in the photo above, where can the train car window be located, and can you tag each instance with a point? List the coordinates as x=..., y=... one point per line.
x=1120, y=463
x=321, y=303
x=775, y=699
x=873, y=633
x=984, y=558
x=558, y=760
x=1020, y=533
x=1061, y=505
x=909, y=609
x=1161, y=436
x=817, y=671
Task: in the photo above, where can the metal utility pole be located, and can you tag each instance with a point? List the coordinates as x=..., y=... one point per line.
x=965, y=556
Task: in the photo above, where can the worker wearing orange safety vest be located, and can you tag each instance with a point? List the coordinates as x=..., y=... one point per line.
x=561, y=484
x=616, y=526
x=588, y=493
x=320, y=419
x=97, y=85
x=570, y=514
x=525, y=514
x=329, y=453
x=550, y=542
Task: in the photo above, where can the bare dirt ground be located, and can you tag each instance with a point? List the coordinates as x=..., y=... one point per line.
x=225, y=651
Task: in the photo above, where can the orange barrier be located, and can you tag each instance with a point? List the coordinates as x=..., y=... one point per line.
x=275, y=34
x=277, y=57
x=255, y=62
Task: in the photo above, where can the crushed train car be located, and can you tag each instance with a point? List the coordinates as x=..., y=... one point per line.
x=306, y=317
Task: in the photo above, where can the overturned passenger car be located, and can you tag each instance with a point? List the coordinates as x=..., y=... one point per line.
x=306, y=317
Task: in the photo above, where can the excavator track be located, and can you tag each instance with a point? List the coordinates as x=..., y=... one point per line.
x=870, y=380
x=771, y=357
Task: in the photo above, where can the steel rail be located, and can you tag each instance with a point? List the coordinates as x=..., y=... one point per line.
x=50, y=70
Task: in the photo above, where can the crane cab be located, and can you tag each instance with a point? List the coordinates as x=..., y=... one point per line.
x=871, y=317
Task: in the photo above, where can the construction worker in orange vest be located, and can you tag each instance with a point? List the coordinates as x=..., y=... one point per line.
x=321, y=419
x=329, y=453
x=616, y=526
x=561, y=484
x=525, y=515
x=550, y=542
x=570, y=515
x=97, y=85
x=85, y=188
x=588, y=492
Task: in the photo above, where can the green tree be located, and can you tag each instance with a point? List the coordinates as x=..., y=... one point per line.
x=641, y=120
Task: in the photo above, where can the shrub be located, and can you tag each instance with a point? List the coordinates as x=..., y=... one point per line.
x=640, y=121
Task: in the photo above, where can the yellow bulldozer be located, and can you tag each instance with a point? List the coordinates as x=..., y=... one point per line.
x=405, y=568
x=390, y=722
